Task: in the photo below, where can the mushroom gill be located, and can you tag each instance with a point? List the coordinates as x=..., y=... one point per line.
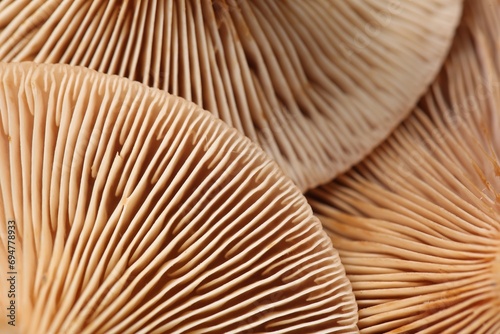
x=317, y=84
x=137, y=211
x=417, y=224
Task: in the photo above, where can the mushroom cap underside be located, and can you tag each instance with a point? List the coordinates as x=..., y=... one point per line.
x=417, y=223
x=317, y=84
x=135, y=210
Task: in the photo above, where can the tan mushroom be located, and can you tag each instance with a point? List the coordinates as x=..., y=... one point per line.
x=136, y=211
x=317, y=84
x=417, y=224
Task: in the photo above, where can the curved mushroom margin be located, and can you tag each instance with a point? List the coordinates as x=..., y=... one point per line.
x=317, y=84
x=417, y=224
x=138, y=211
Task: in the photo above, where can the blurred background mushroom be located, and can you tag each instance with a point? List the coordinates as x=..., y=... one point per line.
x=137, y=211
x=417, y=224
x=317, y=84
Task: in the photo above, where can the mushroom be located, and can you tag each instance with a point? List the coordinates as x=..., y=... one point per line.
x=137, y=211
x=417, y=224
x=317, y=84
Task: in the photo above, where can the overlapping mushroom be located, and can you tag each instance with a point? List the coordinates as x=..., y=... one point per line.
x=417, y=224
x=136, y=211
x=317, y=84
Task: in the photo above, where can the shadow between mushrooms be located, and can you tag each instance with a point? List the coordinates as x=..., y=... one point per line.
x=417, y=224
x=137, y=211
x=317, y=84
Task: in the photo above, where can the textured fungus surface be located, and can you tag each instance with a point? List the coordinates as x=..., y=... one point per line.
x=317, y=84
x=417, y=224
x=138, y=211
